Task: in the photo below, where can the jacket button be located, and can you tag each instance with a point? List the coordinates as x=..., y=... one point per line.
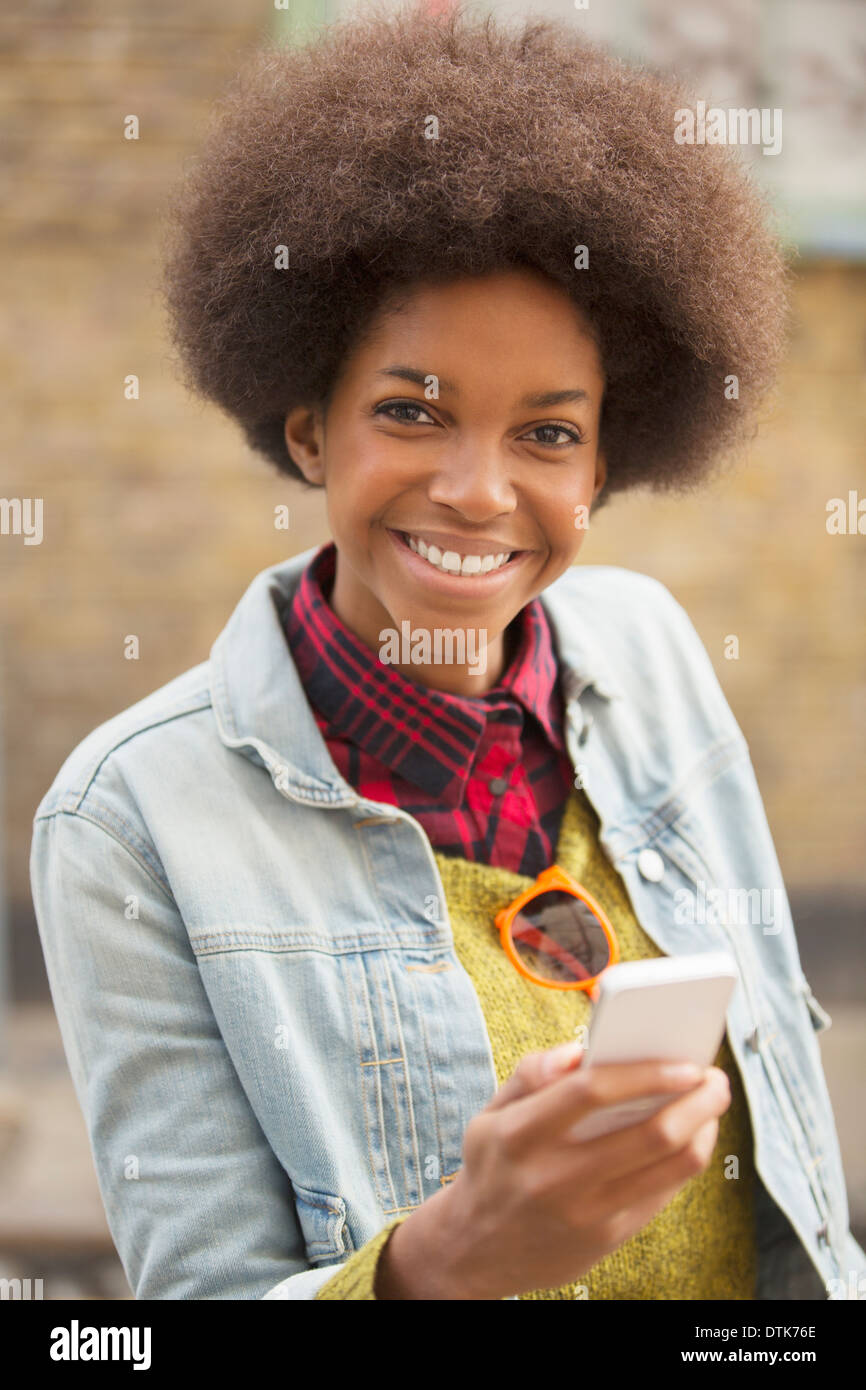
x=498, y=785
x=752, y=1040
x=822, y=1231
x=651, y=865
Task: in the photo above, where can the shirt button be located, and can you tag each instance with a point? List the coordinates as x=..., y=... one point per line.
x=498, y=785
x=651, y=865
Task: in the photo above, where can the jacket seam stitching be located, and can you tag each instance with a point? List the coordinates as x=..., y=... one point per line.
x=278, y=942
x=364, y=1098
x=715, y=761
x=409, y=1107
x=205, y=702
x=432, y=1090
x=398, y=1107
x=377, y=1078
x=114, y=834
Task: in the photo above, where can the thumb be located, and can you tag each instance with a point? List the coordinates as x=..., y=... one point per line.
x=560, y=1058
x=535, y=1070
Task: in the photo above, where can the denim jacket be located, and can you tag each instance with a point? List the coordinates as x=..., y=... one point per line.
x=232, y=936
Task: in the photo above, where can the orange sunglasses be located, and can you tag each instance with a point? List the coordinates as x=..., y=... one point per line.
x=556, y=934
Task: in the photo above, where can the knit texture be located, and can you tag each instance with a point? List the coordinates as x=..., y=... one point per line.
x=701, y=1245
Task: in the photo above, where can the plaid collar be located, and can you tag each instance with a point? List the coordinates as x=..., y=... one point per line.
x=429, y=737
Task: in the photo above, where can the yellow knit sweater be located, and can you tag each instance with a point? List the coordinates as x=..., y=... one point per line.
x=701, y=1245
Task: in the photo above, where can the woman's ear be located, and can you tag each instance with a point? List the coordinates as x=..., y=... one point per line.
x=304, y=441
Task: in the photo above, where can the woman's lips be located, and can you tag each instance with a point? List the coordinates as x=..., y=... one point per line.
x=470, y=585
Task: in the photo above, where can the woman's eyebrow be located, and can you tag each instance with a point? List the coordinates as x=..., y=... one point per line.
x=555, y=397
x=544, y=398
x=419, y=378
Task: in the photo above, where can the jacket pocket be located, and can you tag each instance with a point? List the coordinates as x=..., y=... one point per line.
x=324, y=1224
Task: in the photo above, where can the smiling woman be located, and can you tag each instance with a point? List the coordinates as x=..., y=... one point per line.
x=464, y=280
x=467, y=467
x=359, y=168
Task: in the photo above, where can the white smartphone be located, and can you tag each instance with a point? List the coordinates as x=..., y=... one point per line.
x=672, y=1008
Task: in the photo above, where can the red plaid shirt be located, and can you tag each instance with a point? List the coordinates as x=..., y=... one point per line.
x=487, y=776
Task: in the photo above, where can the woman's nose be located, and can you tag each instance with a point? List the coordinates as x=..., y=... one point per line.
x=475, y=481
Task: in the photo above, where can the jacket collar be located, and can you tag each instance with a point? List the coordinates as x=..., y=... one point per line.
x=259, y=702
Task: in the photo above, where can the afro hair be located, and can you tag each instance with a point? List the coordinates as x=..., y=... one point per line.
x=399, y=148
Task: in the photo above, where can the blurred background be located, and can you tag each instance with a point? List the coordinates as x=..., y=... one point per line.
x=156, y=516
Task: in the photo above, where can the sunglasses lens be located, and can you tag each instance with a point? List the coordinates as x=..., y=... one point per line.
x=559, y=938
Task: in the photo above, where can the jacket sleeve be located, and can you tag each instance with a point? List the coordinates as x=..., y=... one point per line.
x=198, y=1205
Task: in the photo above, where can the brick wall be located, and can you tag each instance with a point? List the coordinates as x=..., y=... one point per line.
x=156, y=516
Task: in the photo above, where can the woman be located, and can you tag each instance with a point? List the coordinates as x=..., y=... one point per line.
x=466, y=281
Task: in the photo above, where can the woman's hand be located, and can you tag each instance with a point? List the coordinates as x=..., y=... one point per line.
x=532, y=1208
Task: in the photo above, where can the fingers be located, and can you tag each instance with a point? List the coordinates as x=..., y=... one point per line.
x=545, y=1113
x=636, y=1156
x=535, y=1070
x=652, y=1187
x=670, y=1131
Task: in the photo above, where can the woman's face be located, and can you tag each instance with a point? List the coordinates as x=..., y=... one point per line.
x=469, y=420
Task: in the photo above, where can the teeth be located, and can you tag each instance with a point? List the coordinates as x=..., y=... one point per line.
x=452, y=563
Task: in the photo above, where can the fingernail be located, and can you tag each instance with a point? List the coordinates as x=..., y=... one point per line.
x=681, y=1071
x=559, y=1057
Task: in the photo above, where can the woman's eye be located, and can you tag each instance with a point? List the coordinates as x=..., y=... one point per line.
x=387, y=406
x=572, y=436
